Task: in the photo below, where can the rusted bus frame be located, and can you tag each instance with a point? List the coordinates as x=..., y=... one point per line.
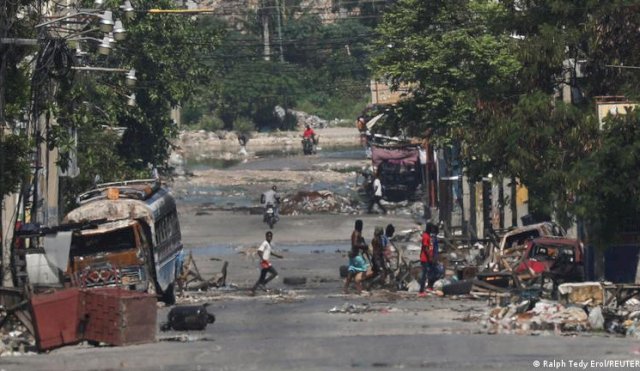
x=159, y=219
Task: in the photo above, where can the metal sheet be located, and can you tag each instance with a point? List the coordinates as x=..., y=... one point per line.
x=40, y=271
x=57, y=317
x=405, y=156
x=57, y=248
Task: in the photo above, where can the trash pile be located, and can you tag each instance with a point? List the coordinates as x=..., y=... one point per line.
x=15, y=339
x=305, y=202
x=581, y=307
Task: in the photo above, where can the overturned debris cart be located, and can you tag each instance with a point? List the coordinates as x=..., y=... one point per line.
x=113, y=316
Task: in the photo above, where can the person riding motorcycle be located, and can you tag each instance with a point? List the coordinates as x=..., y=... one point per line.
x=271, y=197
x=310, y=135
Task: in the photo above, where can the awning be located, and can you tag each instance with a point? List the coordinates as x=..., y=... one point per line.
x=401, y=156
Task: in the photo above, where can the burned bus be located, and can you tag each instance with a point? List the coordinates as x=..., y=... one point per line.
x=136, y=241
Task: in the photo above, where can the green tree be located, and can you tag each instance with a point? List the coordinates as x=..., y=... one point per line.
x=324, y=70
x=451, y=55
x=606, y=181
x=14, y=93
x=166, y=51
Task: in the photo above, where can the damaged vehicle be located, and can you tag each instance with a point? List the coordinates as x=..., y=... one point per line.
x=136, y=241
x=509, y=252
x=400, y=169
x=557, y=259
x=545, y=263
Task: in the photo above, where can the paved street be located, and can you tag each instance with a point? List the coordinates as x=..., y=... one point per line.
x=293, y=329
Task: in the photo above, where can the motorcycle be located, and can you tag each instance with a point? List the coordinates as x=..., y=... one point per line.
x=309, y=145
x=270, y=215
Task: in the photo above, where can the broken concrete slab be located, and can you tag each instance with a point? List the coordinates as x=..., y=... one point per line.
x=582, y=293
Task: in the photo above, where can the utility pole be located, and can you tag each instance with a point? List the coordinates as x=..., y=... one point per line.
x=265, y=33
x=280, y=31
x=7, y=12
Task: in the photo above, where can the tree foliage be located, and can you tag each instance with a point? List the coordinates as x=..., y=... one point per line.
x=322, y=69
x=489, y=74
x=14, y=167
x=450, y=57
x=606, y=181
x=14, y=93
x=165, y=50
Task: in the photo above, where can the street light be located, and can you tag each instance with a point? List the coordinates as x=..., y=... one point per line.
x=132, y=100
x=119, y=32
x=131, y=79
x=128, y=10
x=106, y=21
x=105, y=46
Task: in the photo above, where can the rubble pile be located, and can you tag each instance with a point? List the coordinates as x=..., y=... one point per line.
x=544, y=316
x=582, y=307
x=317, y=201
x=15, y=339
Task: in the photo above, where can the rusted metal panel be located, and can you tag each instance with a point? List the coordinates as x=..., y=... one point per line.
x=57, y=317
x=120, y=317
x=10, y=296
x=112, y=210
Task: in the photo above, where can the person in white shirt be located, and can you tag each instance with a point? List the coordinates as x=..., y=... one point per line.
x=377, y=195
x=272, y=197
x=265, y=252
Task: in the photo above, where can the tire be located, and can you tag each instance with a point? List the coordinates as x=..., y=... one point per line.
x=271, y=223
x=169, y=295
x=294, y=281
x=458, y=288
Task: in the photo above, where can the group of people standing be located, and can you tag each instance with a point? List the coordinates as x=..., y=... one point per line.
x=363, y=264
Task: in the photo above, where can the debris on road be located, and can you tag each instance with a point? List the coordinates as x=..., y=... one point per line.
x=305, y=202
x=588, y=306
x=187, y=318
x=582, y=293
x=108, y=315
x=191, y=279
x=350, y=308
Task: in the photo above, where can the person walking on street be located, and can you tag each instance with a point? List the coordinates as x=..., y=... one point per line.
x=242, y=140
x=357, y=271
x=377, y=258
x=377, y=195
x=357, y=241
x=265, y=252
x=427, y=260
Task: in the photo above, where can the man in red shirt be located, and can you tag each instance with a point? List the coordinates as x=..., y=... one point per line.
x=309, y=133
x=426, y=259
